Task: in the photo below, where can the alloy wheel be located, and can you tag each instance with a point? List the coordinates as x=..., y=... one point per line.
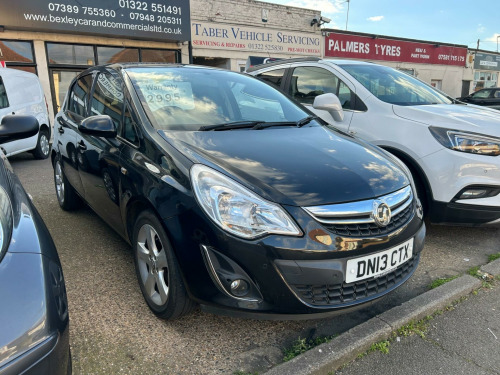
x=44, y=144
x=59, y=179
x=152, y=264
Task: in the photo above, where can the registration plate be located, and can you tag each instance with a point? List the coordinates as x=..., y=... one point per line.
x=379, y=263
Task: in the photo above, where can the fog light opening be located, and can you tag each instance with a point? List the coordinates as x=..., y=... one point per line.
x=239, y=288
x=474, y=193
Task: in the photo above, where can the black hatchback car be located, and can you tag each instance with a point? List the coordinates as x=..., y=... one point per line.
x=233, y=196
x=34, y=322
x=489, y=97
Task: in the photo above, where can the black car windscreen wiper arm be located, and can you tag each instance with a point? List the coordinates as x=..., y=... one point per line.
x=299, y=124
x=305, y=121
x=230, y=125
x=257, y=125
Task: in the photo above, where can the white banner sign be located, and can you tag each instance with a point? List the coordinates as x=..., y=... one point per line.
x=237, y=38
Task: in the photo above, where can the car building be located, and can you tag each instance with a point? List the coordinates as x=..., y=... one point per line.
x=34, y=333
x=452, y=149
x=232, y=195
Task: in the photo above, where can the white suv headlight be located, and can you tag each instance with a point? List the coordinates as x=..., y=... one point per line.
x=472, y=143
x=236, y=209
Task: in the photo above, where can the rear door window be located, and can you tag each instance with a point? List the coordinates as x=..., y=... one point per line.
x=308, y=82
x=4, y=101
x=78, y=99
x=274, y=77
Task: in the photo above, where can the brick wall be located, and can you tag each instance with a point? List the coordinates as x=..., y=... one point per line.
x=249, y=12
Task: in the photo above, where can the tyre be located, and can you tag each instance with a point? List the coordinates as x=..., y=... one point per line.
x=42, y=149
x=158, y=270
x=66, y=195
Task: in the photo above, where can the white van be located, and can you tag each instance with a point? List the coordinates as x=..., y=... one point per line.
x=22, y=94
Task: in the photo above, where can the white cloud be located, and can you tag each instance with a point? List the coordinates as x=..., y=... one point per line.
x=492, y=38
x=375, y=19
x=481, y=29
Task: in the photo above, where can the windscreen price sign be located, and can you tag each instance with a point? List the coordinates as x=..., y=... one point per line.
x=165, y=20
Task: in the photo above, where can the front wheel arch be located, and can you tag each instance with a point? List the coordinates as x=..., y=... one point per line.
x=418, y=175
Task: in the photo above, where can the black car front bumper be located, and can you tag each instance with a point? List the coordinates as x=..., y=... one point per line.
x=277, y=292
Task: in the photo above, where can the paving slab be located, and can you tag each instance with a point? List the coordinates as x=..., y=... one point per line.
x=492, y=268
x=413, y=356
x=472, y=330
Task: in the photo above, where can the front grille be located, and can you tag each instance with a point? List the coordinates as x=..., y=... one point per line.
x=371, y=229
x=358, y=219
x=339, y=294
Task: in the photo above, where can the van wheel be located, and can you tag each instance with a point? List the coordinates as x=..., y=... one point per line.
x=66, y=195
x=157, y=269
x=42, y=149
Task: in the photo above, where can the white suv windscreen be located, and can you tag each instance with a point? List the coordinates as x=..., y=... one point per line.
x=394, y=87
x=187, y=99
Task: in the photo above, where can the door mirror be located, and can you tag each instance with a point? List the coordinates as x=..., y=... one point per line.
x=18, y=127
x=98, y=126
x=330, y=103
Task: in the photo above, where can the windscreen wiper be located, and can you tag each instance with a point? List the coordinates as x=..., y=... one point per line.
x=230, y=125
x=305, y=121
x=256, y=125
x=264, y=125
x=299, y=124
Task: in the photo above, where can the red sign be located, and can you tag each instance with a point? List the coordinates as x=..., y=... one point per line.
x=371, y=48
x=2, y=64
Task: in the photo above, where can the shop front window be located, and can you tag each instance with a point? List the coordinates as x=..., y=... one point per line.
x=484, y=80
x=159, y=56
x=18, y=55
x=111, y=55
x=70, y=54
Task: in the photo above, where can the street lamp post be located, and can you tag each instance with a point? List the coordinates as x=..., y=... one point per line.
x=347, y=19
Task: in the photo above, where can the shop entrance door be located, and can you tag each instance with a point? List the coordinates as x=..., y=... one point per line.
x=60, y=80
x=465, y=88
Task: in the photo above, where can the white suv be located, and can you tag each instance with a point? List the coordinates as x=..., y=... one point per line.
x=451, y=148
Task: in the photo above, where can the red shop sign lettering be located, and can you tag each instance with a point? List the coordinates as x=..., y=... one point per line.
x=369, y=48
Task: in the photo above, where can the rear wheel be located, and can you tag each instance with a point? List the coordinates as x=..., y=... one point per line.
x=42, y=149
x=157, y=269
x=66, y=195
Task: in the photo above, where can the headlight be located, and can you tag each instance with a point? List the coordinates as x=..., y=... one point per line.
x=236, y=209
x=6, y=222
x=467, y=142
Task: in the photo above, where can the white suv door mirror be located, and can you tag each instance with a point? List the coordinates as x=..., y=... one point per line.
x=330, y=103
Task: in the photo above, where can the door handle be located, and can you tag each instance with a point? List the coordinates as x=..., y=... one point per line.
x=60, y=121
x=352, y=132
x=60, y=130
x=81, y=145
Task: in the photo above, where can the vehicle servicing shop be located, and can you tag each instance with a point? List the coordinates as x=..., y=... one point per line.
x=439, y=64
x=57, y=39
x=225, y=32
x=486, y=70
